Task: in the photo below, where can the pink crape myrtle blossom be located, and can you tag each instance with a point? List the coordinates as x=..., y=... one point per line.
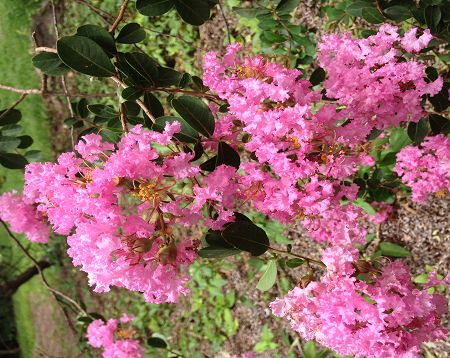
x=426, y=169
x=378, y=87
x=23, y=217
x=113, y=202
x=388, y=317
x=114, y=338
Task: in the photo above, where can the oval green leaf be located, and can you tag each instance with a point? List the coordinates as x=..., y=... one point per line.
x=13, y=160
x=50, y=64
x=131, y=33
x=269, y=277
x=99, y=35
x=246, y=236
x=196, y=113
x=153, y=7
x=85, y=56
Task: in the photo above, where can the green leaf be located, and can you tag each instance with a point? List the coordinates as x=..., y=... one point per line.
x=372, y=15
x=156, y=342
x=84, y=55
x=168, y=77
x=355, y=8
x=50, y=64
x=296, y=262
x=215, y=252
x=439, y=124
x=433, y=16
x=196, y=113
x=131, y=108
x=418, y=131
x=132, y=93
x=246, y=236
x=10, y=116
x=13, y=160
x=309, y=349
x=393, y=250
x=33, y=156
x=8, y=143
x=225, y=155
x=154, y=105
x=246, y=11
x=144, y=65
x=100, y=36
x=273, y=37
x=432, y=73
x=398, y=12
x=103, y=111
x=109, y=135
x=269, y=277
x=25, y=141
x=131, y=33
x=365, y=206
x=82, y=109
x=194, y=12
x=317, y=76
x=398, y=139
x=287, y=5
x=11, y=130
x=185, y=80
x=187, y=134
x=154, y=7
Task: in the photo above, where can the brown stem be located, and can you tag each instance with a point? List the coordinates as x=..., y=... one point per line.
x=138, y=101
x=123, y=118
x=307, y=259
x=178, y=90
x=119, y=17
x=41, y=272
x=55, y=93
x=5, y=113
x=45, y=49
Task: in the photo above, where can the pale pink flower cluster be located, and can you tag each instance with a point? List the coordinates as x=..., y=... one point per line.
x=115, y=338
x=378, y=87
x=23, y=217
x=426, y=168
x=388, y=317
x=114, y=205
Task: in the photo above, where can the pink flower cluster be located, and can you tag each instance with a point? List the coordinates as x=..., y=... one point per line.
x=376, y=84
x=115, y=337
x=387, y=317
x=23, y=217
x=302, y=152
x=426, y=169
x=115, y=206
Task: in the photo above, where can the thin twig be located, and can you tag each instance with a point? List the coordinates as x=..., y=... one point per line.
x=106, y=16
x=123, y=118
x=22, y=97
x=119, y=17
x=170, y=35
x=56, y=93
x=138, y=101
x=40, y=271
x=227, y=25
x=188, y=92
x=45, y=49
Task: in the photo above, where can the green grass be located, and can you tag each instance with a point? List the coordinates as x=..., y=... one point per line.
x=17, y=70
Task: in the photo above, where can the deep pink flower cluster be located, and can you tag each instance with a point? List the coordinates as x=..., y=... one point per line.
x=387, y=317
x=371, y=78
x=115, y=337
x=426, y=169
x=115, y=206
x=23, y=217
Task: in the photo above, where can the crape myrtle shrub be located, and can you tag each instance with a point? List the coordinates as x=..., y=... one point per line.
x=330, y=150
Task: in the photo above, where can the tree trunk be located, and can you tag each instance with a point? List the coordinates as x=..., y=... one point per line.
x=9, y=288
